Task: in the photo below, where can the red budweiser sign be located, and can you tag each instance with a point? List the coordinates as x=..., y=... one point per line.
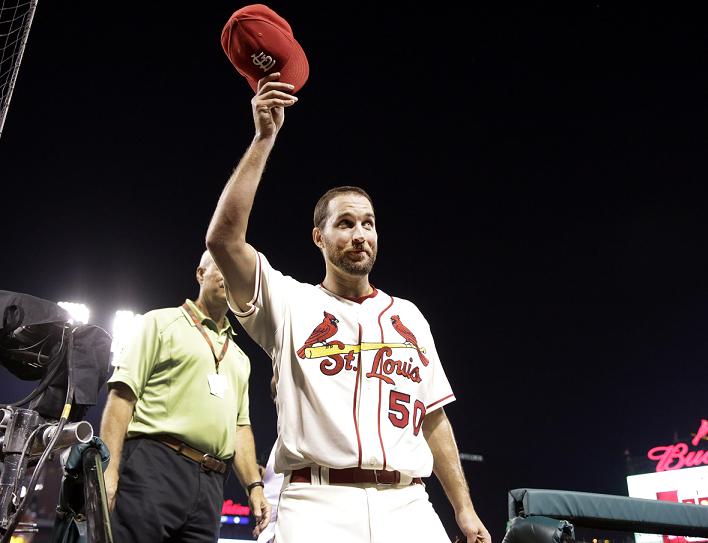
x=231, y=508
x=680, y=455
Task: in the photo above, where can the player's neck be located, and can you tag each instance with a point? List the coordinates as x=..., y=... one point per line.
x=347, y=286
x=215, y=311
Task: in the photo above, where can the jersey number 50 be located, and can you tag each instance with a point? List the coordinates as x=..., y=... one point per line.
x=399, y=413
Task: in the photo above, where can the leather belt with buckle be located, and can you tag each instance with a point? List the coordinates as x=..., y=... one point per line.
x=207, y=461
x=354, y=476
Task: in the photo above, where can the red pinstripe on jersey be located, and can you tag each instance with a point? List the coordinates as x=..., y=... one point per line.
x=440, y=400
x=383, y=450
x=356, y=388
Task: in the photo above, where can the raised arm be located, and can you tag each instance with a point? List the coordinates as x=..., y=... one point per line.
x=447, y=468
x=226, y=236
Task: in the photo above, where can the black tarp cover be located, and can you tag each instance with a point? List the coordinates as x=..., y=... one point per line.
x=89, y=352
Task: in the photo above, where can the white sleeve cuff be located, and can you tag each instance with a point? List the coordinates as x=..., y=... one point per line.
x=256, y=292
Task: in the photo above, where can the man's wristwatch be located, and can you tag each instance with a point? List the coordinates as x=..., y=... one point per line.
x=254, y=485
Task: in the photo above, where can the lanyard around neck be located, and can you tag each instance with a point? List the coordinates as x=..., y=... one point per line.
x=195, y=320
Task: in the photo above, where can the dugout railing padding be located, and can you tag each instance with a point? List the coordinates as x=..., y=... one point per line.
x=611, y=512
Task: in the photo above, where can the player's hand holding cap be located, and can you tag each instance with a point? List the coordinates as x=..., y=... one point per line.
x=258, y=42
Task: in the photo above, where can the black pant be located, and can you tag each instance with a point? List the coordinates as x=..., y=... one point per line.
x=165, y=497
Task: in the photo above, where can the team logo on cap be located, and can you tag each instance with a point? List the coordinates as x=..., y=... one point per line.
x=263, y=61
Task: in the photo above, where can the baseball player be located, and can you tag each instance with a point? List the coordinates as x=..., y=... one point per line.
x=272, y=484
x=360, y=387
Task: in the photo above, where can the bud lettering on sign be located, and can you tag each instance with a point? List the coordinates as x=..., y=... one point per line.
x=263, y=61
x=678, y=455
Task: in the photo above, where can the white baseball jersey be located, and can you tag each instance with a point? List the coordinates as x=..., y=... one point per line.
x=354, y=380
x=273, y=483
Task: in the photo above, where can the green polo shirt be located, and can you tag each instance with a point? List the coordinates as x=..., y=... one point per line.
x=166, y=365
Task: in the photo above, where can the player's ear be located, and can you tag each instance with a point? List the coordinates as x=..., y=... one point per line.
x=317, y=237
x=200, y=274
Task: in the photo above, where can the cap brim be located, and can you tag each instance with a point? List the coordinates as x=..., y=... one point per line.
x=295, y=72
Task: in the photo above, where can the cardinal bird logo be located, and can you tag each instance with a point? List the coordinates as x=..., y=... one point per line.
x=325, y=330
x=408, y=336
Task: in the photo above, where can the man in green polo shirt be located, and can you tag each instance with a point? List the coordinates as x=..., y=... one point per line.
x=176, y=415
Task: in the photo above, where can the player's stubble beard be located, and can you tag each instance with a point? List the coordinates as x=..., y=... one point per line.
x=341, y=261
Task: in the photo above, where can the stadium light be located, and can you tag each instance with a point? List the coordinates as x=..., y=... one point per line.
x=124, y=325
x=77, y=312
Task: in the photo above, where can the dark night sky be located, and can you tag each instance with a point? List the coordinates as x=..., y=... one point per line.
x=539, y=179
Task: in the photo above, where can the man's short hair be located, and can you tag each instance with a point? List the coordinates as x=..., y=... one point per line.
x=322, y=207
x=206, y=259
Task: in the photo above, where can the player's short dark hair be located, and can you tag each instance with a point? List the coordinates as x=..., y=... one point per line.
x=322, y=207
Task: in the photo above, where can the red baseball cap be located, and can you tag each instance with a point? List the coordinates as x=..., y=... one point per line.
x=258, y=42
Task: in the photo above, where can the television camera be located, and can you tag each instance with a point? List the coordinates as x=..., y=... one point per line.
x=40, y=342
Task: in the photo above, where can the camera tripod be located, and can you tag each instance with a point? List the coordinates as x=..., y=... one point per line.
x=27, y=442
